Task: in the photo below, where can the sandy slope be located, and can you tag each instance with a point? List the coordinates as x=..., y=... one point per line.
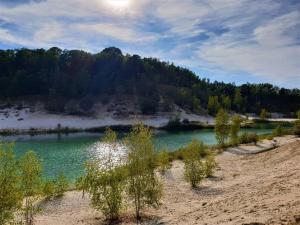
x=261, y=188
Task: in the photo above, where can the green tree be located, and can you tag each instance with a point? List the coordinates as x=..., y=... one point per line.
x=297, y=128
x=226, y=102
x=105, y=179
x=298, y=114
x=49, y=189
x=234, y=129
x=213, y=105
x=194, y=168
x=263, y=114
x=210, y=163
x=163, y=161
x=222, y=127
x=10, y=193
x=143, y=185
x=61, y=185
x=31, y=184
x=238, y=100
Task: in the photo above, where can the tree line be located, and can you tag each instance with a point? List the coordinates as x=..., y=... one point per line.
x=59, y=75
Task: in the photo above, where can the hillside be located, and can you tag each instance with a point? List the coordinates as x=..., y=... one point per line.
x=73, y=81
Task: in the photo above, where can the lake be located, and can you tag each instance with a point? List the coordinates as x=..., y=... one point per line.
x=67, y=153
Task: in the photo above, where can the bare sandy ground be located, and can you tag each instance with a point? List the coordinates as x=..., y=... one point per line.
x=262, y=188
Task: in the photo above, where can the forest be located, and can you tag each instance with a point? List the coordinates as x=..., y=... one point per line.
x=60, y=75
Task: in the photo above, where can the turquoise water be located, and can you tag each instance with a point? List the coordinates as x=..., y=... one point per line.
x=67, y=153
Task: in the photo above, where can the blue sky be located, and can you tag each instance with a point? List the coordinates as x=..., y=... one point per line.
x=226, y=40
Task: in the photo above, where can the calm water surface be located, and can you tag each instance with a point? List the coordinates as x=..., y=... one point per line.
x=67, y=153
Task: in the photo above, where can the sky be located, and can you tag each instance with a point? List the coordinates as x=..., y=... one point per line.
x=236, y=41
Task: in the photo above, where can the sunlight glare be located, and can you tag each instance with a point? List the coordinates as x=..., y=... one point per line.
x=118, y=3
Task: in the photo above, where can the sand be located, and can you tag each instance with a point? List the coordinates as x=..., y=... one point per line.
x=24, y=119
x=246, y=188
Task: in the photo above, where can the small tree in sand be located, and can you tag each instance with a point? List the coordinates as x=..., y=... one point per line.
x=234, y=129
x=143, y=185
x=31, y=183
x=163, y=161
x=105, y=179
x=194, y=168
x=222, y=127
x=10, y=193
x=210, y=164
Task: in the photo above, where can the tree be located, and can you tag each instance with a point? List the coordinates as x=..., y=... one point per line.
x=222, y=127
x=163, y=161
x=298, y=114
x=210, y=163
x=194, y=168
x=31, y=183
x=238, y=100
x=105, y=179
x=143, y=185
x=226, y=102
x=10, y=193
x=263, y=114
x=213, y=105
x=297, y=127
x=60, y=184
x=234, y=129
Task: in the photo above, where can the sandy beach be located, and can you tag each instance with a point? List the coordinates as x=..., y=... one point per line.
x=246, y=188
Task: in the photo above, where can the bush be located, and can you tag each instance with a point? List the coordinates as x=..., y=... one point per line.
x=49, y=189
x=194, y=168
x=278, y=131
x=163, y=161
x=105, y=180
x=248, y=138
x=61, y=185
x=144, y=187
x=10, y=193
x=210, y=164
x=297, y=128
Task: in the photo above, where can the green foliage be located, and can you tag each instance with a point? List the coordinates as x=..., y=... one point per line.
x=226, y=102
x=61, y=75
x=10, y=193
x=213, y=105
x=31, y=183
x=163, y=161
x=263, y=114
x=278, y=131
x=238, y=100
x=248, y=138
x=143, y=185
x=234, y=129
x=49, y=189
x=222, y=127
x=298, y=114
x=105, y=180
x=61, y=185
x=210, y=164
x=194, y=168
x=297, y=128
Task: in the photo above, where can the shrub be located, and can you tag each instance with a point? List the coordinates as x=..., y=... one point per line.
x=31, y=184
x=194, y=168
x=222, y=127
x=49, y=189
x=163, y=161
x=248, y=138
x=278, y=131
x=143, y=185
x=297, y=128
x=234, y=129
x=210, y=164
x=10, y=193
x=61, y=185
x=105, y=180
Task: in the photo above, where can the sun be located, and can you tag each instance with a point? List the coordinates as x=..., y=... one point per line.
x=118, y=3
